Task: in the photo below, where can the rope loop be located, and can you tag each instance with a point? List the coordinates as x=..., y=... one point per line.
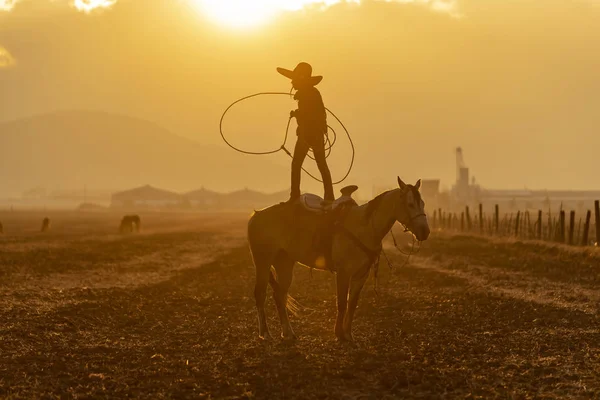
x=329, y=142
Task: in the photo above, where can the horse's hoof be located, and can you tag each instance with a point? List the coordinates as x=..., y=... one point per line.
x=348, y=337
x=289, y=337
x=341, y=337
x=266, y=337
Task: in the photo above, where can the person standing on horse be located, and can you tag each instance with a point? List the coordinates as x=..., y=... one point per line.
x=312, y=127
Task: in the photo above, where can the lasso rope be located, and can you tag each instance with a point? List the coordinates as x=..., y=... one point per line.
x=329, y=142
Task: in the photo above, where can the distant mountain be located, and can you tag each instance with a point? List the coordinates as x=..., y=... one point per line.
x=71, y=149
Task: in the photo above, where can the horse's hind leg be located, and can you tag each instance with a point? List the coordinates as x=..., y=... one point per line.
x=284, y=266
x=356, y=284
x=342, y=283
x=263, y=270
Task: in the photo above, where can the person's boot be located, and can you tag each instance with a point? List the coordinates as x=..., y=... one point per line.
x=293, y=198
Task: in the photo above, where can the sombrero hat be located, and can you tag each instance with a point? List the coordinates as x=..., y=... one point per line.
x=302, y=72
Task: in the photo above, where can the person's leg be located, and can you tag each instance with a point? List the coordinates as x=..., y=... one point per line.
x=300, y=152
x=319, y=152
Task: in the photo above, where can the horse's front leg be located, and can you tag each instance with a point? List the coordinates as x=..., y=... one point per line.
x=343, y=283
x=356, y=284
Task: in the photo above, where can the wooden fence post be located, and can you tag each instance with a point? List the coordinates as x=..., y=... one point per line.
x=481, y=218
x=517, y=223
x=468, y=216
x=539, y=225
x=571, y=226
x=462, y=221
x=496, y=218
x=434, y=218
x=586, y=229
x=550, y=235
x=597, y=212
x=561, y=236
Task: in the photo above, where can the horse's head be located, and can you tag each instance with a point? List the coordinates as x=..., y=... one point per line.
x=412, y=214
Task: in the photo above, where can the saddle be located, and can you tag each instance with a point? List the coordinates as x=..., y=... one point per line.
x=325, y=217
x=316, y=204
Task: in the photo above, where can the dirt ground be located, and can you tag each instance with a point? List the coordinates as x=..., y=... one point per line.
x=169, y=313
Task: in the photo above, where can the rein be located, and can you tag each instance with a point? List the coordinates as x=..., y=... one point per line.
x=373, y=254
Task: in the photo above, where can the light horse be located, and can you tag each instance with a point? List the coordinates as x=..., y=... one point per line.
x=281, y=235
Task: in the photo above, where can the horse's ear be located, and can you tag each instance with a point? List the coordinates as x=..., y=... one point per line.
x=401, y=184
x=418, y=184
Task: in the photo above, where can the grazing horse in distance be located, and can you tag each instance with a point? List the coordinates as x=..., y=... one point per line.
x=45, y=224
x=284, y=234
x=130, y=224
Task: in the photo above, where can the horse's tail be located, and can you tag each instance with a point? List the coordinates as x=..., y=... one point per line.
x=292, y=304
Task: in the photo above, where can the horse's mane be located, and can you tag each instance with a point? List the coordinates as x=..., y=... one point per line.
x=374, y=204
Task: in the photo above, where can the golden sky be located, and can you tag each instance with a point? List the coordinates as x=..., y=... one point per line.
x=515, y=83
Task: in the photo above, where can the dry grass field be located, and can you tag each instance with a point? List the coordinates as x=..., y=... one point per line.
x=169, y=313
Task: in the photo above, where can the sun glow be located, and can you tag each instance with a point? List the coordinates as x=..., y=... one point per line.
x=7, y=5
x=90, y=5
x=247, y=13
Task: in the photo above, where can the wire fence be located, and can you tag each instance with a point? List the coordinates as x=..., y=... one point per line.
x=560, y=227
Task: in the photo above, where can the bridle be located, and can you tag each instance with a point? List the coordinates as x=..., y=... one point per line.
x=406, y=225
x=411, y=218
x=374, y=253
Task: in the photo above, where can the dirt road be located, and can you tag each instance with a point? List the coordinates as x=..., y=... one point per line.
x=169, y=313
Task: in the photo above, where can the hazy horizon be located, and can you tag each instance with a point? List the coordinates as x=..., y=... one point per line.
x=514, y=83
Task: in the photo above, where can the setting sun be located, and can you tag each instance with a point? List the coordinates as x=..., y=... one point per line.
x=238, y=13
x=245, y=13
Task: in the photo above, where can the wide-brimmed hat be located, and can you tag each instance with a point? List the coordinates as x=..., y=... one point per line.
x=302, y=72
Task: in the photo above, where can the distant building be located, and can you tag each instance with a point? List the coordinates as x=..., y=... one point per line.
x=35, y=193
x=252, y=199
x=430, y=188
x=204, y=198
x=541, y=199
x=430, y=191
x=146, y=197
x=465, y=192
